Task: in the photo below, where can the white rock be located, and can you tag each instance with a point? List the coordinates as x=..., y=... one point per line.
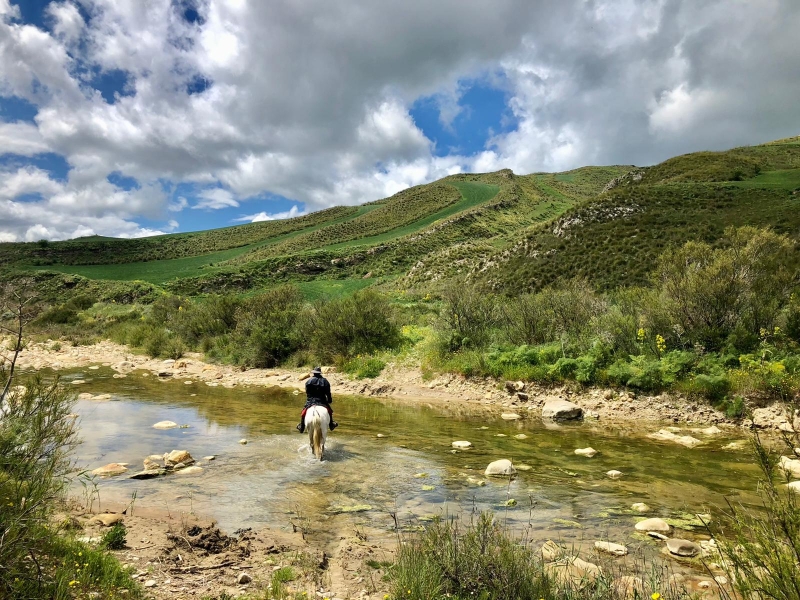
x=178, y=456
x=211, y=457
x=654, y=524
x=243, y=579
x=713, y=430
x=110, y=470
x=520, y=436
x=165, y=425
x=551, y=551
x=611, y=548
x=561, y=410
x=680, y=547
x=510, y=416
x=78, y=381
x=587, y=452
x=640, y=507
x=614, y=474
x=790, y=466
x=794, y=486
x=721, y=579
x=190, y=471
x=500, y=468
x=462, y=445
x=150, y=583
x=243, y=441
x=704, y=585
x=668, y=436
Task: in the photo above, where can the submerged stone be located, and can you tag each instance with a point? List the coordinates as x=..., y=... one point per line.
x=500, y=468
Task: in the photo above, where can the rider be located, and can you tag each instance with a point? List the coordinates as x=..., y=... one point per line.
x=318, y=391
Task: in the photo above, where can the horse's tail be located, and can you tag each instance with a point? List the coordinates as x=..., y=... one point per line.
x=316, y=436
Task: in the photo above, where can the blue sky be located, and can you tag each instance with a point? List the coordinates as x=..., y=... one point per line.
x=125, y=119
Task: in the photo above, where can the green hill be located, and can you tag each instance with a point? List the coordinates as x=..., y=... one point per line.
x=614, y=239
x=512, y=232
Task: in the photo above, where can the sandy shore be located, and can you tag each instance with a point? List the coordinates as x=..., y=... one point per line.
x=407, y=384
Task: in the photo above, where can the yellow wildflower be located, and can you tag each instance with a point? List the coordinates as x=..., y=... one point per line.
x=656, y=596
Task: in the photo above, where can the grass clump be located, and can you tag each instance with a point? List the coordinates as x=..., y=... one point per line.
x=363, y=367
x=114, y=538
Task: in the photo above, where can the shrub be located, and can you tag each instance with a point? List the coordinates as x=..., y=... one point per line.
x=156, y=342
x=114, y=538
x=36, y=437
x=364, y=368
x=267, y=330
x=466, y=319
x=712, y=387
x=352, y=325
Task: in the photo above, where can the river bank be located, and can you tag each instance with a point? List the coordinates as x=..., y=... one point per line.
x=477, y=395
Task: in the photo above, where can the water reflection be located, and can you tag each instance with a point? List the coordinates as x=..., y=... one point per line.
x=411, y=471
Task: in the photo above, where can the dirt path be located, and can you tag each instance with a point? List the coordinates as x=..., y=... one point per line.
x=456, y=393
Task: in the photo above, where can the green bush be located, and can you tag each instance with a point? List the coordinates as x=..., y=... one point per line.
x=467, y=318
x=363, y=368
x=114, y=538
x=156, y=342
x=712, y=387
x=352, y=325
x=268, y=329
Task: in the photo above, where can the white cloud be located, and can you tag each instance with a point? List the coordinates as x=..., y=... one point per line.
x=310, y=101
x=215, y=198
x=264, y=216
x=21, y=138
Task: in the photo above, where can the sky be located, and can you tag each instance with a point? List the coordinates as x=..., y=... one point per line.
x=130, y=118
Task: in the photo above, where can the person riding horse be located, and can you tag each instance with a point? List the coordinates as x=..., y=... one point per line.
x=318, y=391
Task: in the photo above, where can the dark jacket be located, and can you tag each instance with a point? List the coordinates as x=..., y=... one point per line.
x=318, y=391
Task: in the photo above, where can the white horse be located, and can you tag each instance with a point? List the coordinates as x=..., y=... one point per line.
x=317, y=421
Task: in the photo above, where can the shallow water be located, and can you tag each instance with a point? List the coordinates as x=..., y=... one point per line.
x=412, y=472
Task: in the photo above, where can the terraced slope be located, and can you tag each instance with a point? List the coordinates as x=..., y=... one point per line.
x=614, y=239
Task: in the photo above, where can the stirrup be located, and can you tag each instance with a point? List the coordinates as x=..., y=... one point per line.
x=300, y=427
x=333, y=425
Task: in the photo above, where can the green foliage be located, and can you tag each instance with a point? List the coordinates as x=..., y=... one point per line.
x=761, y=548
x=709, y=293
x=363, y=367
x=267, y=329
x=466, y=319
x=353, y=325
x=114, y=538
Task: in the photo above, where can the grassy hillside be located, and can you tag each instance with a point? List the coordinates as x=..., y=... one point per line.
x=512, y=232
x=614, y=239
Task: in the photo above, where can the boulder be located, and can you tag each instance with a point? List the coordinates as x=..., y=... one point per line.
x=561, y=410
x=640, y=507
x=573, y=571
x=587, y=452
x=614, y=474
x=190, y=470
x=667, y=436
x=149, y=465
x=107, y=519
x=178, y=456
x=500, y=468
x=611, y=548
x=551, y=551
x=790, y=466
x=654, y=524
x=148, y=474
x=510, y=416
x=165, y=425
x=110, y=470
x=794, y=486
x=461, y=445
x=628, y=586
x=680, y=547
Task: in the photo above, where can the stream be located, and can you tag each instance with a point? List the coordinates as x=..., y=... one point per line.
x=410, y=471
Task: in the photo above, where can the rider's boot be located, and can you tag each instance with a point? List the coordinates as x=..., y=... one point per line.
x=333, y=425
x=301, y=427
